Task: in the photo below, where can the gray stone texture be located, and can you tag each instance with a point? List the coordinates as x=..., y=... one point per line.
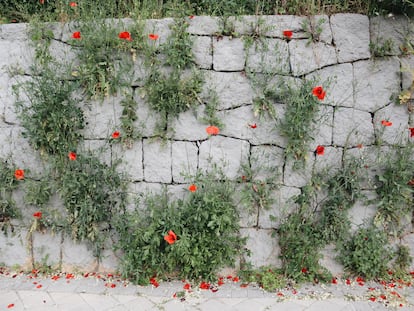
x=184, y=160
x=204, y=25
x=375, y=82
x=203, y=51
x=396, y=134
x=228, y=54
x=131, y=160
x=157, y=161
x=280, y=23
x=351, y=36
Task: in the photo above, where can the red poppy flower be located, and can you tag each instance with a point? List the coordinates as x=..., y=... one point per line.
x=187, y=286
x=236, y=279
x=72, y=156
x=42, y=1
x=411, y=131
x=383, y=297
x=320, y=150
x=191, y=17
x=192, y=188
x=39, y=286
x=76, y=35
x=348, y=282
x=153, y=36
x=220, y=282
x=304, y=270
x=319, y=92
x=10, y=305
x=372, y=299
x=55, y=277
x=154, y=282
x=73, y=4
x=116, y=135
x=386, y=123
x=334, y=281
x=171, y=237
x=205, y=285
x=253, y=126
x=280, y=294
x=125, y=35
x=212, y=130
x=37, y=215
x=288, y=33
x=19, y=174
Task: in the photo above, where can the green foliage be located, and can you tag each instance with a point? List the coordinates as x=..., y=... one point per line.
x=300, y=118
x=128, y=117
x=8, y=183
x=268, y=278
x=178, y=49
x=53, y=120
x=366, y=253
x=395, y=194
x=206, y=225
x=381, y=50
x=402, y=261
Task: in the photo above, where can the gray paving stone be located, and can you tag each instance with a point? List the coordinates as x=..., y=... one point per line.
x=351, y=36
x=99, y=302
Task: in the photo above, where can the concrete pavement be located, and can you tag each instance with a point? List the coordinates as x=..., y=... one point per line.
x=64, y=292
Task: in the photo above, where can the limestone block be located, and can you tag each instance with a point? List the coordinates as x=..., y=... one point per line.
x=280, y=23
x=138, y=72
x=338, y=82
x=248, y=215
x=138, y=191
x=397, y=133
x=98, y=148
x=320, y=26
x=298, y=177
x=352, y=127
x=237, y=122
x=102, y=117
x=157, y=161
x=408, y=240
x=330, y=162
x=13, y=248
x=76, y=256
x=228, y=54
x=203, y=51
x=233, y=88
x=204, y=25
x=329, y=261
x=306, y=56
x=187, y=126
x=267, y=163
x=268, y=55
x=46, y=248
x=280, y=209
x=351, y=36
x=160, y=27
x=16, y=55
x=362, y=213
x=184, y=160
x=65, y=55
x=131, y=160
x=146, y=117
x=389, y=28
x=407, y=70
x=322, y=132
x=177, y=192
x=267, y=129
x=6, y=142
x=226, y=153
x=263, y=246
x=24, y=156
x=375, y=82
x=248, y=24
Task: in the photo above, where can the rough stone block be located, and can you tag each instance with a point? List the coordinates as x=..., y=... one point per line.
x=352, y=127
x=46, y=248
x=102, y=117
x=98, y=148
x=138, y=191
x=160, y=27
x=233, y=88
x=264, y=247
x=338, y=82
x=204, y=25
x=187, y=126
x=157, y=161
x=177, y=192
x=66, y=56
x=267, y=163
x=184, y=160
x=248, y=25
x=146, y=122
x=268, y=55
x=329, y=261
x=237, y=122
x=248, y=215
x=408, y=240
x=282, y=206
x=375, y=82
x=322, y=133
x=392, y=29
x=226, y=153
x=362, y=214
x=407, y=70
x=397, y=133
x=228, y=54
x=298, y=177
x=13, y=248
x=203, y=51
x=131, y=160
x=306, y=56
x=330, y=162
x=280, y=23
x=351, y=36
x=76, y=256
x=6, y=142
x=320, y=26
x=8, y=97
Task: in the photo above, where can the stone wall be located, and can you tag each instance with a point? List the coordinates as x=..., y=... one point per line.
x=358, y=98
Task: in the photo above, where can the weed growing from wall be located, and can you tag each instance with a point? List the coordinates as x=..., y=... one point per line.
x=190, y=238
